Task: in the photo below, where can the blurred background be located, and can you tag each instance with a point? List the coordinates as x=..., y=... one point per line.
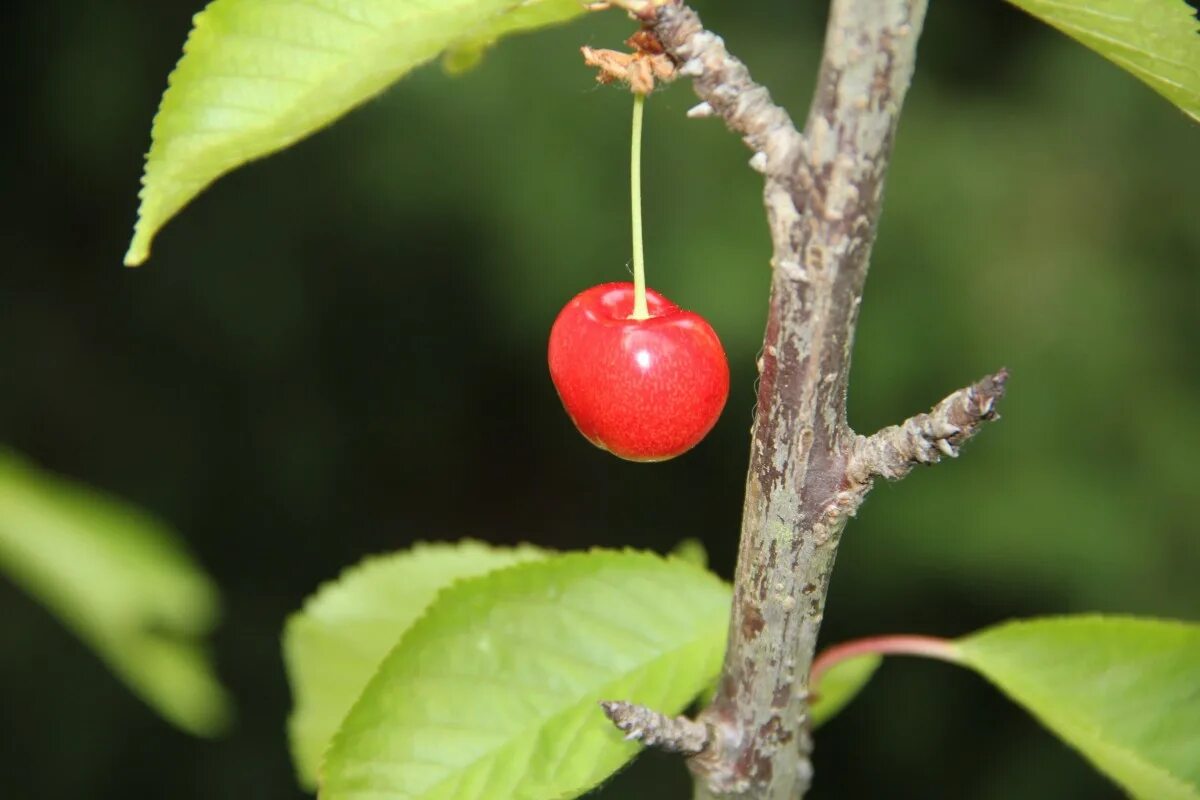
x=340, y=350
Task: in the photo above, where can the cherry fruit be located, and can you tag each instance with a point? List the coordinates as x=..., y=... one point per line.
x=645, y=389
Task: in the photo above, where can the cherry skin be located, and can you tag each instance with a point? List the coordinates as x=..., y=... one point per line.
x=645, y=390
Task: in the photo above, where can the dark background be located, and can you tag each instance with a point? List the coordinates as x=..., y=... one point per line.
x=340, y=350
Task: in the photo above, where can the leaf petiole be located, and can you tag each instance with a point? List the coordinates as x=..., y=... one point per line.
x=903, y=644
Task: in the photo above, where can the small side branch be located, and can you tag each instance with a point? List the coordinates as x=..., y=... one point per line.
x=728, y=91
x=673, y=734
x=923, y=439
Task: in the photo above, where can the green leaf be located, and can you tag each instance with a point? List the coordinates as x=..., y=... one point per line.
x=691, y=551
x=493, y=694
x=1125, y=692
x=122, y=582
x=335, y=644
x=529, y=16
x=1156, y=40
x=839, y=685
x=259, y=75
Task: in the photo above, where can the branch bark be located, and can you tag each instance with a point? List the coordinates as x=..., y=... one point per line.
x=892, y=452
x=672, y=734
x=808, y=470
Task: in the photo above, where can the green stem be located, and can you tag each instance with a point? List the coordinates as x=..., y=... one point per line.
x=640, y=310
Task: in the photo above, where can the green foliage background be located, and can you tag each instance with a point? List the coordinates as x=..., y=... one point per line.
x=341, y=350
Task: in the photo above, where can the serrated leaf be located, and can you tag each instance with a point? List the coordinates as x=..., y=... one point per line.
x=531, y=15
x=259, y=75
x=122, y=582
x=839, y=685
x=493, y=694
x=1158, y=41
x=1125, y=692
x=336, y=643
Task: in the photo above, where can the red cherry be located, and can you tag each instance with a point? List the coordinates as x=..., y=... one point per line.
x=645, y=390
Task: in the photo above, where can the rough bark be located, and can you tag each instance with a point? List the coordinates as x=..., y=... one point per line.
x=923, y=439
x=822, y=195
x=808, y=470
x=673, y=734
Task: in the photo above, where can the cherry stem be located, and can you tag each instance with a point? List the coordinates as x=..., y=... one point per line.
x=640, y=309
x=905, y=645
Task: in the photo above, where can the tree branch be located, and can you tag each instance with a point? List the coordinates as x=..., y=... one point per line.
x=725, y=86
x=673, y=734
x=822, y=193
x=893, y=452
